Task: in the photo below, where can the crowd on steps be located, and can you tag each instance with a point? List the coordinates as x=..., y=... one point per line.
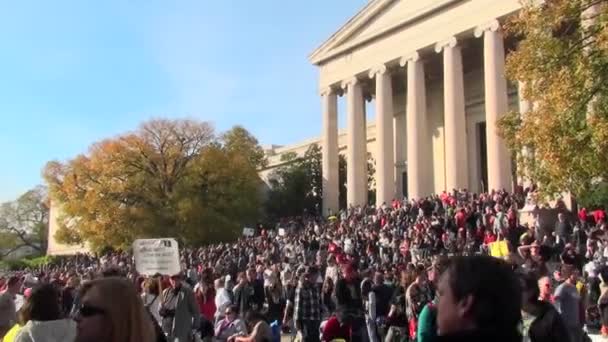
x=457, y=266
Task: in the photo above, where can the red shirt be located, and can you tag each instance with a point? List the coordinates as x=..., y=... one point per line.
x=460, y=218
x=333, y=330
x=206, y=305
x=489, y=238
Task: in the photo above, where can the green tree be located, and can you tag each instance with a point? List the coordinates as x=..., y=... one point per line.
x=371, y=180
x=342, y=199
x=239, y=140
x=563, y=61
x=170, y=178
x=24, y=222
x=297, y=185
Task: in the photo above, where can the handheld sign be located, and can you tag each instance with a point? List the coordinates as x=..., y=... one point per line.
x=499, y=249
x=154, y=256
x=249, y=232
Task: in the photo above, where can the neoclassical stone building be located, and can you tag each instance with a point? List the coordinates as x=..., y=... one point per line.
x=435, y=71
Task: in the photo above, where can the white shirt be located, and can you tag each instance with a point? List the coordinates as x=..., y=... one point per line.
x=591, y=269
x=152, y=302
x=222, y=301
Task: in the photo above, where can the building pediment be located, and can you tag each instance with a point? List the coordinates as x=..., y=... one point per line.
x=376, y=19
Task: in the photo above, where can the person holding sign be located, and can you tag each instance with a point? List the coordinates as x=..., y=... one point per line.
x=179, y=311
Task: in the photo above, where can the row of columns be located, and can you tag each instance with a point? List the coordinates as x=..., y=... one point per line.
x=417, y=135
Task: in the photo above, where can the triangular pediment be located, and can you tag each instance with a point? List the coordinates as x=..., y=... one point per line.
x=375, y=19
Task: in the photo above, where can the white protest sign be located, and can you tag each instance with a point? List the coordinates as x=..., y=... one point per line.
x=282, y=232
x=154, y=256
x=248, y=232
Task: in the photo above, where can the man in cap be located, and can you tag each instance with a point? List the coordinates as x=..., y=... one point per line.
x=179, y=310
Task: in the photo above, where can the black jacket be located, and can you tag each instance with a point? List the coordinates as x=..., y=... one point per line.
x=258, y=293
x=383, y=299
x=480, y=336
x=548, y=325
x=348, y=299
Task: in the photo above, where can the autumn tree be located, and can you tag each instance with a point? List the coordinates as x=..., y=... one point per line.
x=562, y=59
x=170, y=178
x=24, y=222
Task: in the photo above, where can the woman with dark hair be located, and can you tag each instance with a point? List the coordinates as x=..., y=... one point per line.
x=151, y=297
x=42, y=319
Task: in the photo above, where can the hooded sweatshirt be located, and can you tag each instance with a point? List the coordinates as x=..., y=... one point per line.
x=63, y=330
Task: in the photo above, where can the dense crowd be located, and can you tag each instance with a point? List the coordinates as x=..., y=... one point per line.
x=407, y=270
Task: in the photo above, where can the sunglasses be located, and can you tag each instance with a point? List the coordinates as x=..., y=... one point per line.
x=89, y=311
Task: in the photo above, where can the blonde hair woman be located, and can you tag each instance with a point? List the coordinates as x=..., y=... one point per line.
x=111, y=310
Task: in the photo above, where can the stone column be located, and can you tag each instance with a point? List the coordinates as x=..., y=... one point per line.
x=385, y=158
x=416, y=126
x=456, y=161
x=356, y=175
x=400, y=152
x=329, y=103
x=499, y=158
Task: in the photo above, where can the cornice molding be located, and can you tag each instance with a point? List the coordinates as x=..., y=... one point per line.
x=337, y=44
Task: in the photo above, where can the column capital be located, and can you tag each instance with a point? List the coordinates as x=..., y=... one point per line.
x=451, y=42
x=413, y=57
x=325, y=91
x=382, y=69
x=349, y=82
x=491, y=26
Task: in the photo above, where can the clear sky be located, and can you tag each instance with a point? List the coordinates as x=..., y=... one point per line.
x=74, y=72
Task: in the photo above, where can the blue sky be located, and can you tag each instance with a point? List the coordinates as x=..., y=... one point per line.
x=74, y=72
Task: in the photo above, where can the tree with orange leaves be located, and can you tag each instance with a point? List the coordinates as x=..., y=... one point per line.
x=170, y=178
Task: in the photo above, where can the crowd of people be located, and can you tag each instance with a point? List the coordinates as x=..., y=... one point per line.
x=407, y=270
